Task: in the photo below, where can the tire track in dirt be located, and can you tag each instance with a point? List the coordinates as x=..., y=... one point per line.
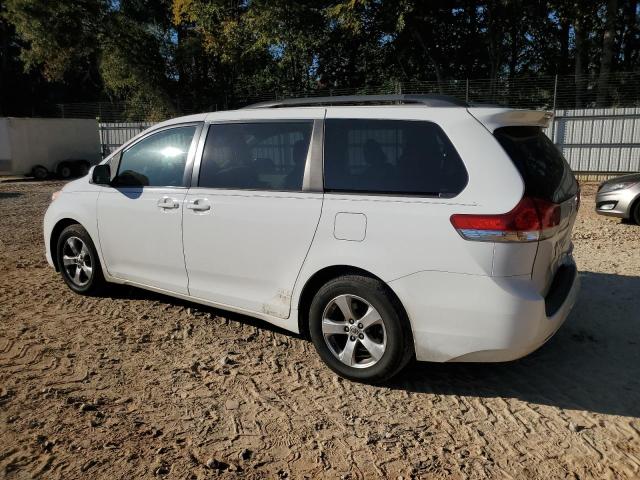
x=139, y=385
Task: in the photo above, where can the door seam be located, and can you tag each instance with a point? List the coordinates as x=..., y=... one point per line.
x=184, y=255
x=315, y=232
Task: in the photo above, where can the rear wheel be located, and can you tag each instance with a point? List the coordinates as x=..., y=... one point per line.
x=64, y=170
x=359, y=329
x=78, y=261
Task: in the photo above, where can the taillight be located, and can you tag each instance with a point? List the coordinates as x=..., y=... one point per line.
x=531, y=220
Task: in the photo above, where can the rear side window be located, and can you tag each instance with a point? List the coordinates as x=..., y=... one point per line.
x=256, y=156
x=545, y=171
x=391, y=156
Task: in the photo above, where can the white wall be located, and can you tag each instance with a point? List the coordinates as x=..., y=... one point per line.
x=48, y=141
x=5, y=147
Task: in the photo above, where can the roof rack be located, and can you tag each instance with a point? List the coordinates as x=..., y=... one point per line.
x=426, y=100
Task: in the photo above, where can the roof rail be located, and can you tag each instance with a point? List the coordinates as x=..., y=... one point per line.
x=426, y=100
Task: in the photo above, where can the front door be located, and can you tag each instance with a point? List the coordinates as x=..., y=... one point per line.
x=249, y=222
x=140, y=215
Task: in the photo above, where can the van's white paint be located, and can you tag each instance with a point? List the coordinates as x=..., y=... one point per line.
x=27, y=142
x=78, y=204
x=141, y=241
x=459, y=317
x=253, y=252
x=247, y=250
x=350, y=226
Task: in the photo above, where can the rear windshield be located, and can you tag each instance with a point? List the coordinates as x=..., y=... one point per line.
x=545, y=171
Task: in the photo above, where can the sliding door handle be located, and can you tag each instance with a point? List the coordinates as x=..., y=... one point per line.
x=199, y=205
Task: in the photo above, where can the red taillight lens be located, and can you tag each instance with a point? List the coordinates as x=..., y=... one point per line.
x=527, y=222
x=550, y=213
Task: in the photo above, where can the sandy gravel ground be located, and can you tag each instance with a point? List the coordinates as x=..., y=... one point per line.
x=141, y=385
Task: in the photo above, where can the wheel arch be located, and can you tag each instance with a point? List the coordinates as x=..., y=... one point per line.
x=322, y=276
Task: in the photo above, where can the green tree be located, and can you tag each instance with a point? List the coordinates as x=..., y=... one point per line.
x=133, y=67
x=60, y=35
x=168, y=56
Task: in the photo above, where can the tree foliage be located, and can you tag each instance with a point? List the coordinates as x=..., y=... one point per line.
x=202, y=54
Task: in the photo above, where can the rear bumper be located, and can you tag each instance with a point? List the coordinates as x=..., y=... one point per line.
x=472, y=318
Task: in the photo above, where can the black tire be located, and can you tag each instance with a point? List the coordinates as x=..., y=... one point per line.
x=635, y=212
x=81, y=168
x=65, y=170
x=84, y=284
x=39, y=172
x=399, y=341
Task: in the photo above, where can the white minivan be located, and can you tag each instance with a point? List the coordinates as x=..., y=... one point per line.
x=385, y=228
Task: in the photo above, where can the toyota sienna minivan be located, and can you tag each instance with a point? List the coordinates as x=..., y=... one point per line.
x=385, y=228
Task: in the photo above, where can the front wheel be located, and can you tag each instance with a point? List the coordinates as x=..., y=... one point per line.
x=39, y=172
x=359, y=329
x=78, y=261
x=81, y=168
x=635, y=212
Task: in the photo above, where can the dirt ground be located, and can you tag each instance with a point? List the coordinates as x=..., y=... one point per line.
x=141, y=385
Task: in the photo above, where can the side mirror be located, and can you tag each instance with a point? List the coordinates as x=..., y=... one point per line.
x=101, y=174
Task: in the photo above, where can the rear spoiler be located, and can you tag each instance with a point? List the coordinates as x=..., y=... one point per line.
x=492, y=117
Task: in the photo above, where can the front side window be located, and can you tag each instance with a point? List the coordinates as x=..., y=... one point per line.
x=157, y=161
x=391, y=156
x=256, y=156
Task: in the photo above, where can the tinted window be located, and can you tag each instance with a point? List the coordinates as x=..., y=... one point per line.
x=156, y=161
x=255, y=156
x=545, y=171
x=391, y=156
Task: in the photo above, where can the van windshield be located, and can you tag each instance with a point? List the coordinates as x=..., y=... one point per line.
x=545, y=171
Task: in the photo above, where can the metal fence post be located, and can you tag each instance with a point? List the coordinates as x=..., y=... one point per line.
x=466, y=95
x=553, y=119
x=102, y=139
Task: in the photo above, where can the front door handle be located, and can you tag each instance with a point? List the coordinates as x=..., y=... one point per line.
x=168, y=202
x=199, y=205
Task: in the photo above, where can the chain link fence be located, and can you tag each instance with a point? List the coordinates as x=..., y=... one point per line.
x=114, y=134
x=539, y=92
x=594, y=139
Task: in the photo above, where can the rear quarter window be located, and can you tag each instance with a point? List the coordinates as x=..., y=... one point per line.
x=543, y=168
x=391, y=157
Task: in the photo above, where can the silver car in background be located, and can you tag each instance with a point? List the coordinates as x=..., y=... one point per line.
x=620, y=197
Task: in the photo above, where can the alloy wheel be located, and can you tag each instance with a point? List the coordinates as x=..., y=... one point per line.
x=77, y=261
x=354, y=331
